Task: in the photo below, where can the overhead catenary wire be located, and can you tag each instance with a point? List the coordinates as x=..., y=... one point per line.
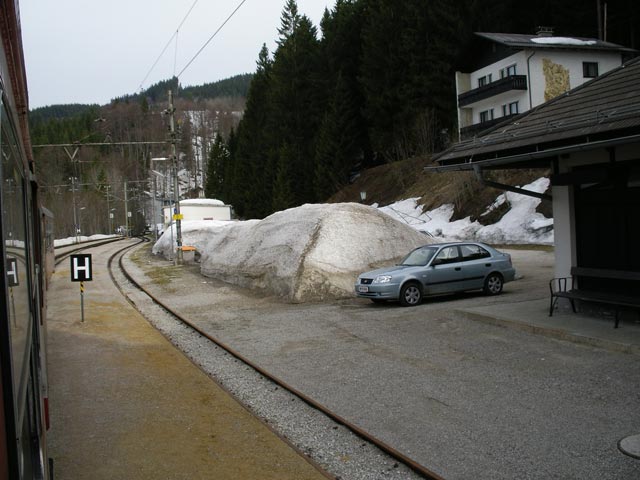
x=175, y=34
x=211, y=38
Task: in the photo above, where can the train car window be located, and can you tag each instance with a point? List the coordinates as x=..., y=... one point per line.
x=14, y=231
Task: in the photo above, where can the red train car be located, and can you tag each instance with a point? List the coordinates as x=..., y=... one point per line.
x=23, y=225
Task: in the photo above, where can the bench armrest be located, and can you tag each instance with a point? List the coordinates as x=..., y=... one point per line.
x=560, y=284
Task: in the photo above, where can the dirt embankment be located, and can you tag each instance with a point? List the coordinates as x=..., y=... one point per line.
x=406, y=179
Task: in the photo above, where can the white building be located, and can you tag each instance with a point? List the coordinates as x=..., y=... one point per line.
x=198, y=209
x=589, y=138
x=511, y=73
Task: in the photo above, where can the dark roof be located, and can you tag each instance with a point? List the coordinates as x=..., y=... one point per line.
x=593, y=115
x=519, y=41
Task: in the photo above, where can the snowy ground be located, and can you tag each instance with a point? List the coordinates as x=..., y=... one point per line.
x=316, y=251
x=520, y=225
x=62, y=242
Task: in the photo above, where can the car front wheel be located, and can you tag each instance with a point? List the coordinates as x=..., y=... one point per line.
x=410, y=295
x=493, y=284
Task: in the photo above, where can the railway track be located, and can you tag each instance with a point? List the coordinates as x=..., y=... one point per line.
x=65, y=251
x=116, y=265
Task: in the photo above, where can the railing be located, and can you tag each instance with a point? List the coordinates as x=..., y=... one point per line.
x=513, y=82
x=473, y=130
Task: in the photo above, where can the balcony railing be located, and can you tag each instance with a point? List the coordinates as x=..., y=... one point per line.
x=475, y=129
x=514, y=82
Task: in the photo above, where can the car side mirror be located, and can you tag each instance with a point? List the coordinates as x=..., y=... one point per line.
x=436, y=261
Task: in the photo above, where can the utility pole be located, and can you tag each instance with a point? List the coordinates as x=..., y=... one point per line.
x=126, y=211
x=177, y=216
x=75, y=214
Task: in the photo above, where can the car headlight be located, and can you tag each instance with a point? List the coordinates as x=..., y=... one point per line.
x=383, y=279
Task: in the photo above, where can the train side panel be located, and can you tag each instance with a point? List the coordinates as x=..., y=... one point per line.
x=22, y=322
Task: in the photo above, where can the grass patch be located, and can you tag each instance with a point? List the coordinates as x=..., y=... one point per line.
x=163, y=275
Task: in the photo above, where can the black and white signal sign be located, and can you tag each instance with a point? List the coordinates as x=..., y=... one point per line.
x=81, y=267
x=12, y=272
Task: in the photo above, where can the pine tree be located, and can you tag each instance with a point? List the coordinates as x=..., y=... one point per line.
x=296, y=100
x=251, y=178
x=218, y=156
x=338, y=149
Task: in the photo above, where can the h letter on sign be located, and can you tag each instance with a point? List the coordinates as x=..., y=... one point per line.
x=81, y=267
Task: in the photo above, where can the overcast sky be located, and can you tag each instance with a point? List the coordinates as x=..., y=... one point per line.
x=89, y=51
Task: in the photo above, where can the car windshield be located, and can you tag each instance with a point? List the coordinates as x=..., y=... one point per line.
x=419, y=257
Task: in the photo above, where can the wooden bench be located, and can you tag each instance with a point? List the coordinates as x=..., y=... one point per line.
x=569, y=287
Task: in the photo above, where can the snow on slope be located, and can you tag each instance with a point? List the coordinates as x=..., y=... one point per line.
x=521, y=224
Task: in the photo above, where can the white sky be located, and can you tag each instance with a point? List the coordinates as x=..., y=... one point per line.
x=89, y=51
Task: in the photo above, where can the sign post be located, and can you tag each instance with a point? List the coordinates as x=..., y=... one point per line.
x=81, y=272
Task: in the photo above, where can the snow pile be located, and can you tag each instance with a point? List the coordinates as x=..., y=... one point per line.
x=563, y=41
x=521, y=224
x=307, y=253
x=62, y=242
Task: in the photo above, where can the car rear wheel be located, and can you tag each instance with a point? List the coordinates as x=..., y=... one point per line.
x=410, y=295
x=493, y=284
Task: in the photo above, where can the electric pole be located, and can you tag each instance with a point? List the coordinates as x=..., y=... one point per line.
x=177, y=216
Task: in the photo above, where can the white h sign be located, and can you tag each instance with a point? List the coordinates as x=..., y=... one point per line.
x=81, y=267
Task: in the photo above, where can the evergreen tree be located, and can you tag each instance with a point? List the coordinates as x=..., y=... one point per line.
x=283, y=196
x=218, y=156
x=408, y=74
x=250, y=179
x=296, y=101
x=337, y=147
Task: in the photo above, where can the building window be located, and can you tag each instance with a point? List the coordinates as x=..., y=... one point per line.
x=484, y=80
x=486, y=115
x=508, y=71
x=509, y=109
x=589, y=69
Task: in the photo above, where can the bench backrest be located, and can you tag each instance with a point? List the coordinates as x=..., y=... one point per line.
x=620, y=282
x=604, y=273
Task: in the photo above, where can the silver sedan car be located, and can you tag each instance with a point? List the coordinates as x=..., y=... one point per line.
x=438, y=268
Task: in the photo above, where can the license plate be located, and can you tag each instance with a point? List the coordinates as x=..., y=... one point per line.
x=362, y=289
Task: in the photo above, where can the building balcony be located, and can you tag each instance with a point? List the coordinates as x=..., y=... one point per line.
x=506, y=84
x=475, y=129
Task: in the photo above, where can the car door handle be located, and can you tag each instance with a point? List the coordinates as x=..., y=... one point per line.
x=458, y=269
x=487, y=264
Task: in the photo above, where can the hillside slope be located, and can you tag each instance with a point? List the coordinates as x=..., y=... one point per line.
x=406, y=179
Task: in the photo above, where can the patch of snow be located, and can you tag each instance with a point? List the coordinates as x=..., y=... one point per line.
x=563, y=41
x=201, y=201
x=521, y=224
x=62, y=242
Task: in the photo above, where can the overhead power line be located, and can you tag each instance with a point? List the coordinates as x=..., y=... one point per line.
x=211, y=37
x=175, y=34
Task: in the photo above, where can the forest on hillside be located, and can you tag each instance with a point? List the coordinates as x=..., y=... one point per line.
x=91, y=178
x=373, y=83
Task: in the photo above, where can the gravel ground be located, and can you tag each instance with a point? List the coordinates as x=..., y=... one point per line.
x=335, y=448
x=465, y=399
